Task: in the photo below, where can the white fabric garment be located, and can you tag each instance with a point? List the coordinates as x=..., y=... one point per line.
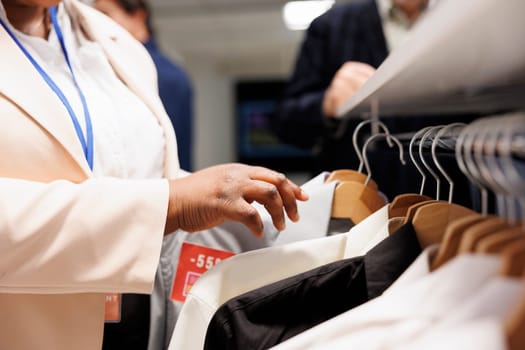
x=495, y=301
x=404, y=310
x=248, y=271
x=128, y=141
x=314, y=213
x=485, y=334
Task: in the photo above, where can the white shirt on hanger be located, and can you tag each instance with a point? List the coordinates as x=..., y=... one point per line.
x=495, y=302
x=485, y=334
x=314, y=213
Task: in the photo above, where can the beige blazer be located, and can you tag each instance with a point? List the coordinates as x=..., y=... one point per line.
x=65, y=237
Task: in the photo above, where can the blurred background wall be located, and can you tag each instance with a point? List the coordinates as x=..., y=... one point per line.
x=219, y=43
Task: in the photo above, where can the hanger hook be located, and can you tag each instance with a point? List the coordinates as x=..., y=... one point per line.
x=488, y=161
x=373, y=138
x=440, y=134
x=469, y=151
x=411, y=154
x=461, y=159
x=512, y=177
x=515, y=141
x=434, y=175
x=356, y=146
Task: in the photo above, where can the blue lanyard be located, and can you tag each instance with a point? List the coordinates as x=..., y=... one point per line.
x=87, y=142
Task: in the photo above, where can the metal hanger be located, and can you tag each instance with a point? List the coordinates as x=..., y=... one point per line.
x=486, y=161
x=356, y=146
x=480, y=150
x=374, y=138
x=454, y=231
x=440, y=134
x=357, y=175
x=409, y=215
x=355, y=200
x=515, y=324
x=498, y=159
x=463, y=167
x=402, y=202
x=426, y=135
x=471, y=164
x=431, y=219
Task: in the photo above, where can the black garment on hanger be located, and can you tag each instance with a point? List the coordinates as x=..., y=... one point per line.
x=269, y=315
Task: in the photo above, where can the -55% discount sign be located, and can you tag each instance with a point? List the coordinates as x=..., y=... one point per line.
x=194, y=260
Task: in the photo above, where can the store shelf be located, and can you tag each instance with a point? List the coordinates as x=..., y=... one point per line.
x=462, y=56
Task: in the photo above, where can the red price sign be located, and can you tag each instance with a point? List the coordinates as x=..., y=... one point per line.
x=194, y=260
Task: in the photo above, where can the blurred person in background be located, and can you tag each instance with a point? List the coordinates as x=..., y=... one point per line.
x=175, y=88
x=340, y=51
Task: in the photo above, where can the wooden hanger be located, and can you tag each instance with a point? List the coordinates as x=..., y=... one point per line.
x=494, y=244
x=475, y=233
x=355, y=201
x=401, y=203
x=394, y=224
x=451, y=239
x=343, y=175
x=465, y=234
x=411, y=210
x=357, y=175
x=431, y=220
x=513, y=259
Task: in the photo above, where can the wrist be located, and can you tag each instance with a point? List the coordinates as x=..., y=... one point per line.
x=173, y=213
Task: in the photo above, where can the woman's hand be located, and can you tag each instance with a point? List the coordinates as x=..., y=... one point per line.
x=223, y=193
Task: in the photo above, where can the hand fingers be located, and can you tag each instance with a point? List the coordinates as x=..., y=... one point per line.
x=268, y=195
x=352, y=76
x=289, y=192
x=292, y=192
x=340, y=91
x=247, y=215
x=343, y=88
x=358, y=68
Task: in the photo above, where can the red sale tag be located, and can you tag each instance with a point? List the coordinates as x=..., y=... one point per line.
x=194, y=260
x=113, y=306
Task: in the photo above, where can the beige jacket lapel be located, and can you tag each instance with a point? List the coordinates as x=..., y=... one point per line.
x=23, y=85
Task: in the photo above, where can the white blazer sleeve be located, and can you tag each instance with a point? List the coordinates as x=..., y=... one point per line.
x=103, y=235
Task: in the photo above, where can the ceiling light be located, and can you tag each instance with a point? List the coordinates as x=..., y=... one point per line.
x=298, y=15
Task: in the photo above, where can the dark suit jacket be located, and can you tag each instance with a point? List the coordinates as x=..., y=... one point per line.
x=346, y=32
x=349, y=32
